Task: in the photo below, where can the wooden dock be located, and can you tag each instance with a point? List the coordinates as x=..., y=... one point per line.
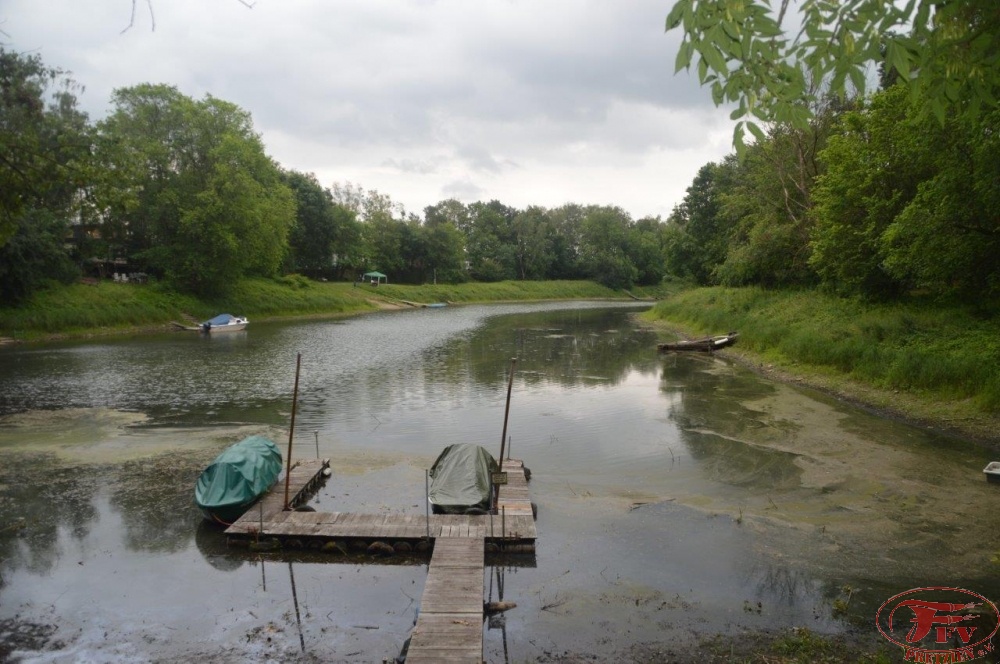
x=513, y=525
x=303, y=479
x=449, y=627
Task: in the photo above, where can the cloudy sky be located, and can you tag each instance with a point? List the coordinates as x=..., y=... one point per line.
x=530, y=102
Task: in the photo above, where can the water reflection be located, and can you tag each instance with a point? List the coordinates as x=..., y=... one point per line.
x=212, y=545
x=677, y=494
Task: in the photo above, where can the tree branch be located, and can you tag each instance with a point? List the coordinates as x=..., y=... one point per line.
x=152, y=17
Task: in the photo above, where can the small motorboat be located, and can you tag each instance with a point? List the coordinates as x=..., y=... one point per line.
x=224, y=323
x=992, y=472
x=707, y=344
x=462, y=480
x=237, y=478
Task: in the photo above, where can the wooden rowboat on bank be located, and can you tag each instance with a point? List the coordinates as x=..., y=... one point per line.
x=705, y=345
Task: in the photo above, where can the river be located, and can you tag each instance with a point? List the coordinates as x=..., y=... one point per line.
x=679, y=496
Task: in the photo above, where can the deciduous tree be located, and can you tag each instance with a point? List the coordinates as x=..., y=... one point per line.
x=752, y=53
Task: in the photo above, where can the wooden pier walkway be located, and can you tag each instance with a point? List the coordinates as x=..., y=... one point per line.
x=450, y=625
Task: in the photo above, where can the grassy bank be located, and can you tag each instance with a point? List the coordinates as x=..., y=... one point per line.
x=107, y=307
x=927, y=361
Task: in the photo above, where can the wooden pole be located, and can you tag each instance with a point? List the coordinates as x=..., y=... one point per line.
x=291, y=429
x=506, y=412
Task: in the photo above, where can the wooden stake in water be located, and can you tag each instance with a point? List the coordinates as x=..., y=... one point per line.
x=291, y=428
x=506, y=412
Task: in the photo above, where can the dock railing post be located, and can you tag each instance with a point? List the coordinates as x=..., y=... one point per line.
x=427, y=501
x=316, y=434
x=503, y=524
x=506, y=412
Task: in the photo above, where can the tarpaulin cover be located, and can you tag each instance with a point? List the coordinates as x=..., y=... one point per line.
x=237, y=477
x=461, y=478
x=221, y=319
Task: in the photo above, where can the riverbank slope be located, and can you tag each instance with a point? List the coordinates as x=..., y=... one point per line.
x=928, y=362
x=83, y=310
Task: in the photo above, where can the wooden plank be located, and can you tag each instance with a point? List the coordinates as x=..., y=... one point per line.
x=450, y=626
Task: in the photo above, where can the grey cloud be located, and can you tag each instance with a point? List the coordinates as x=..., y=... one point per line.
x=463, y=190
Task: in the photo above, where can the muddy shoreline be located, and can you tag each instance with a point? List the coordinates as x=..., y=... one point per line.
x=983, y=430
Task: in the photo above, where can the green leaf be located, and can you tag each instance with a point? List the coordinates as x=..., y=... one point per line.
x=684, y=54
x=757, y=132
x=858, y=80
x=718, y=93
x=714, y=58
x=731, y=29
x=738, y=143
x=677, y=13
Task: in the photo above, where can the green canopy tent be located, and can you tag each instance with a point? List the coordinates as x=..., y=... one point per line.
x=375, y=277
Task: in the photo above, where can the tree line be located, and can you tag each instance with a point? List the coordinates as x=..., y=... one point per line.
x=874, y=198
x=871, y=196
x=181, y=190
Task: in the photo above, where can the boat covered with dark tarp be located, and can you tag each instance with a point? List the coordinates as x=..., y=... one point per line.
x=237, y=478
x=462, y=480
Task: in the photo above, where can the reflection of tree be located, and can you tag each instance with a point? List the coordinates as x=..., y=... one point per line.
x=155, y=498
x=567, y=347
x=718, y=429
x=47, y=497
x=780, y=583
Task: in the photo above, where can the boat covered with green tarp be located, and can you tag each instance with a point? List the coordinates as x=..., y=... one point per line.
x=462, y=480
x=237, y=478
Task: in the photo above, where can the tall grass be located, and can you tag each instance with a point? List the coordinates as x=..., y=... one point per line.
x=946, y=352
x=80, y=307
x=495, y=292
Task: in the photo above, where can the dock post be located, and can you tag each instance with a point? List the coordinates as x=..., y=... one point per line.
x=506, y=412
x=427, y=501
x=291, y=428
x=316, y=434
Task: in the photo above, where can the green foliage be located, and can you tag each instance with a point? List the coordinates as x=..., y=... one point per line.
x=947, y=238
x=699, y=234
x=490, y=241
x=944, y=52
x=874, y=165
x=34, y=256
x=44, y=159
x=605, y=247
x=323, y=231
x=194, y=198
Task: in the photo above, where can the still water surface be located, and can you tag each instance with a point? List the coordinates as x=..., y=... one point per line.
x=679, y=496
